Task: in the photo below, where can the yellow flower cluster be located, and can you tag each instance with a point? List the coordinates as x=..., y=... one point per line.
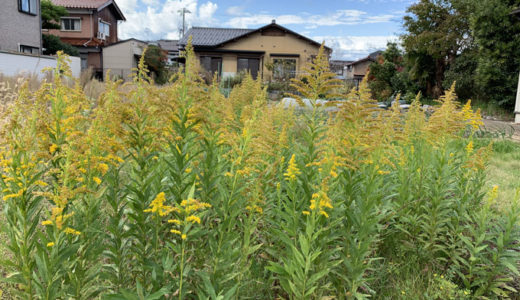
x=473, y=119
x=188, y=208
x=319, y=202
x=157, y=206
x=292, y=170
x=57, y=218
x=192, y=205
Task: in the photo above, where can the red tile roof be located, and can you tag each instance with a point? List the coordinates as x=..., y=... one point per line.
x=91, y=4
x=82, y=42
x=80, y=3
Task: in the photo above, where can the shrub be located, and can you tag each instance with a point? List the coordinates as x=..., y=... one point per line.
x=162, y=192
x=53, y=44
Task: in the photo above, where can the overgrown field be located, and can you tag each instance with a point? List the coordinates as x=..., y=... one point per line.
x=177, y=192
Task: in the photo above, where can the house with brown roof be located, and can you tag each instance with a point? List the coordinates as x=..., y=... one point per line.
x=20, y=26
x=357, y=70
x=90, y=26
x=271, y=51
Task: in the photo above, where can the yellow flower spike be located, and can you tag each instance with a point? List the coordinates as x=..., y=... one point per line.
x=51, y=244
x=175, y=221
x=47, y=222
x=183, y=236
x=175, y=231
x=193, y=219
x=188, y=170
x=292, y=169
x=53, y=148
x=69, y=230
x=324, y=213
x=97, y=180
x=103, y=168
x=469, y=147
x=306, y=212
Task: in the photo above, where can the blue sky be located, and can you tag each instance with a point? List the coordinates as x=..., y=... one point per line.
x=353, y=28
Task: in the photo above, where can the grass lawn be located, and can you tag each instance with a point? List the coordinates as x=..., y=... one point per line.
x=504, y=170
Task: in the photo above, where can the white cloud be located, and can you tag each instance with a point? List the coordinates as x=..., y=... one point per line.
x=340, y=17
x=163, y=21
x=355, y=47
x=207, y=10
x=235, y=10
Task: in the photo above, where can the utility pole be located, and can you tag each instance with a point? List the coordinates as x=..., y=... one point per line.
x=183, y=12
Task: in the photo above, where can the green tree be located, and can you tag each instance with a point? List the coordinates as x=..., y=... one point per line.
x=388, y=75
x=155, y=59
x=437, y=30
x=497, y=35
x=51, y=14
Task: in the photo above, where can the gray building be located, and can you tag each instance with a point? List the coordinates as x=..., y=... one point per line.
x=20, y=24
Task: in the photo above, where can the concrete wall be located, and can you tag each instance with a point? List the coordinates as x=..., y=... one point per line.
x=12, y=64
x=121, y=58
x=18, y=28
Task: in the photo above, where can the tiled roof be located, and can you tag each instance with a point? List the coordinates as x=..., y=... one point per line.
x=169, y=45
x=207, y=36
x=91, y=4
x=80, y=3
x=82, y=42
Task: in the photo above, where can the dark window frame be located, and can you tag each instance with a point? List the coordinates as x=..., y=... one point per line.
x=31, y=11
x=251, y=63
x=23, y=49
x=63, y=27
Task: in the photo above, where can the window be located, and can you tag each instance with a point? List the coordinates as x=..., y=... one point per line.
x=284, y=68
x=251, y=65
x=104, y=28
x=28, y=6
x=212, y=64
x=29, y=49
x=71, y=24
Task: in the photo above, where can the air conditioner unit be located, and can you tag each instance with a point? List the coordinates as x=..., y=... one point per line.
x=101, y=35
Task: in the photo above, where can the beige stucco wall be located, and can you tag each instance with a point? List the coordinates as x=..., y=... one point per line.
x=288, y=44
x=120, y=58
x=18, y=28
x=86, y=27
x=361, y=68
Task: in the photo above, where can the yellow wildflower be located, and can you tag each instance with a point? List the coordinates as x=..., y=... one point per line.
x=157, y=206
x=183, y=236
x=50, y=244
x=188, y=170
x=97, y=180
x=306, y=212
x=69, y=230
x=103, y=168
x=175, y=221
x=193, y=219
x=469, y=147
x=292, y=169
x=47, y=222
x=175, y=231
x=53, y=148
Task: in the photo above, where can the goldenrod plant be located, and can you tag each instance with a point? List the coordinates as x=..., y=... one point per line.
x=178, y=192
